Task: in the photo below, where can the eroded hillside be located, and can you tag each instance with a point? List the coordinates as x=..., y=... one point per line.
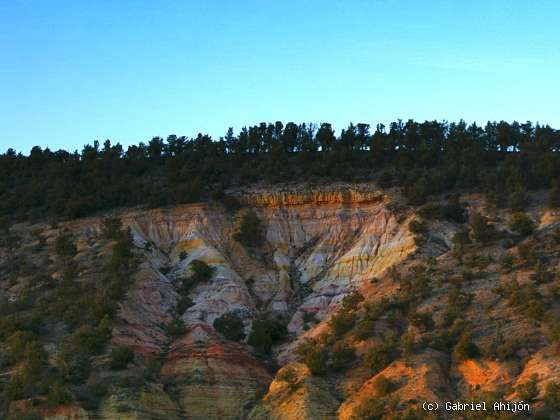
x=287, y=303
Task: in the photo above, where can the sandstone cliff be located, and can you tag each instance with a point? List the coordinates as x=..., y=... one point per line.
x=321, y=244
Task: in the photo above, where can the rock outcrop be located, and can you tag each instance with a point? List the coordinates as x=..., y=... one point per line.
x=211, y=377
x=300, y=396
x=320, y=244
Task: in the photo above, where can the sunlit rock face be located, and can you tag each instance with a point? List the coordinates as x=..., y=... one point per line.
x=329, y=242
x=148, y=401
x=319, y=245
x=211, y=377
x=421, y=378
x=146, y=310
x=305, y=397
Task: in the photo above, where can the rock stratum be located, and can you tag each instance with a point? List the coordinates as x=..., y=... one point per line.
x=321, y=244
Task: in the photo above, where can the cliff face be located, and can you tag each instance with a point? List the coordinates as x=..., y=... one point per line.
x=320, y=245
x=211, y=377
x=305, y=397
x=328, y=242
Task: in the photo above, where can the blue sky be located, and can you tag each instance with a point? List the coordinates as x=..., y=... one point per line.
x=75, y=71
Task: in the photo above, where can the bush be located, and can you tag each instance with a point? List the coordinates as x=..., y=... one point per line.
x=27, y=381
x=79, y=207
x=432, y=211
x=526, y=252
x=96, y=388
x=552, y=394
x=381, y=355
x=183, y=304
x=251, y=232
x=289, y=375
x=525, y=297
x=418, y=227
x=483, y=231
x=452, y=211
x=554, y=197
x=121, y=257
x=414, y=286
x=507, y=262
x=407, y=344
x=121, y=357
x=201, y=272
x=522, y=224
x=554, y=327
x=16, y=345
x=90, y=397
x=24, y=415
x=465, y=348
x=467, y=276
x=186, y=192
x=372, y=409
x=383, y=386
x=416, y=192
x=90, y=340
x=506, y=350
x=529, y=390
x=518, y=200
x=58, y=395
x=309, y=317
x=351, y=301
x=265, y=333
x=176, y=329
x=535, y=309
x=422, y=320
x=385, y=180
x=342, y=322
x=230, y=326
x=64, y=246
x=17, y=388
x=314, y=356
x=35, y=358
x=73, y=366
x=366, y=325
x=457, y=300
x=8, y=239
x=542, y=275
x=231, y=204
x=111, y=228
x=556, y=235
x=342, y=355
x=461, y=237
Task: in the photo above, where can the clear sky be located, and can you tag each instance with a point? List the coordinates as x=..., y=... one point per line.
x=75, y=71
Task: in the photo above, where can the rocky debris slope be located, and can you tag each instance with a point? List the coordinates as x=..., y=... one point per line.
x=321, y=245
